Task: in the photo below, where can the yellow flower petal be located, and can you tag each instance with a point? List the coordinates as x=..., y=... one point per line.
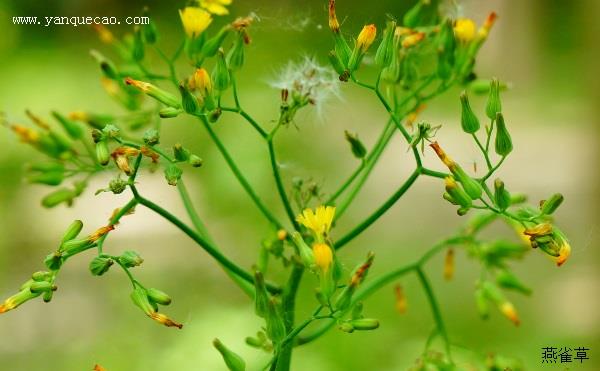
x=216, y=7
x=195, y=20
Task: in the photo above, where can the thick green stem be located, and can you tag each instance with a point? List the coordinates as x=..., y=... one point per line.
x=284, y=354
x=380, y=211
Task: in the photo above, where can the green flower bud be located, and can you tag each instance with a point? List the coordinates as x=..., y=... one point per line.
x=106, y=65
x=173, y=174
x=47, y=296
x=346, y=326
x=42, y=286
x=482, y=303
x=507, y=280
x=72, y=231
x=235, y=57
x=468, y=119
x=137, y=49
x=41, y=276
x=188, y=100
x=130, y=259
x=493, y=106
x=54, y=261
x=151, y=137
x=195, y=161
x=220, y=75
x=100, y=265
x=470, y=185
x=52, y=178
x=503, y=144
x=180, y=153
x=275, y=324
x=71, y=127
x=149, y=30
x=501, y=195
x=457, y=194
x=338, y=66
x=233, y=361
x=102, y=153
x=365, y=324
x=169, y=112
x=57, y=197
x=482, y=86
x=158, y=297
x=356, y=146
x=550, y=205
x=155, y=92
x=213, y=44
x=76, y=245
x=306, y=254
x=383, y=56
x=449, y=198
x=261, y=299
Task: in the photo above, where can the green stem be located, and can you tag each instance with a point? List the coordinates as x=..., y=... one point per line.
x=380, y=211
x=437, y=315
x=493, y=169
x=278, y=181
x=207, y=246
x=284, y=353
x=238, y=174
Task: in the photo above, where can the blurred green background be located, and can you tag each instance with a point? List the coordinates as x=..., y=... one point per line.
x=548, y=50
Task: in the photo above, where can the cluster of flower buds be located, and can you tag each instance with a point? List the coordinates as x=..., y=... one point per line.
x=148, y=301
x=356, y=321
x=41, y=283
x=346, y=60
x=232, y=360
x=550, y=240
x=487, y=292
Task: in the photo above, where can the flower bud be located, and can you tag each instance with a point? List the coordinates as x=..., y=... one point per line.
x=261, y=298
x=154, y=92
x=140, y=298
x=306, y=254
x=383, y=56
x=338, y=66
x=149, y=30
x=493, y=106
x=71, y=127
x=151, y=137
x=54, y=261
x=507, y=280
x=188, y=100
x=401, y=302
x=449, y=264
x=358, y=149
x=41, y=276
x=233, y=361
x=501, y=195
x=363, y=42
x=213, y=44
x=106, y=65
x=102, y=153
x=100, y=265
x=72, y=231
x=549, y=206
x=363, y=324
x=169, y=112
x=468, y=119
x=483, y=306
x=220, y=74
x=503, y=144
x=195, y=161
x=180, y=153
x=457, y=193
x=173, y=174
x=275, y=324
x=130, y=259
x=235, y=57
x=52, y=178
x=47, y=296
x=57, y=197
x=17, y=299
x=346, y=326
x=41, y=286
x=137, y=49
x=158, y=297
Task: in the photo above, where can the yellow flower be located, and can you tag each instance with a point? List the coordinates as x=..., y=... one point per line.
x=563, y=253
x=200, y=81
x=318, y=221
x=216, y=7
x=323, y=256
x=366, y=37
x=195, y=20
x=464, y=29
x=510, y=312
